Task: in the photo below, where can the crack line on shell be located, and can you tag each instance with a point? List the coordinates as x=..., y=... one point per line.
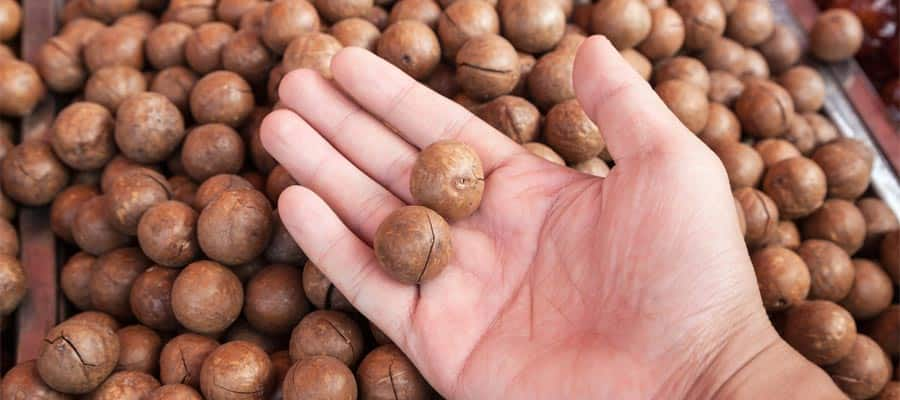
x=346, y=339
x=485, y=69
x=430, y=249
x=391, y=378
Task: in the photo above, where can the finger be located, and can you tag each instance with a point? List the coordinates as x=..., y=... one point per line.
x=419, y=114
x=348, y=262
x=632, y=118
x=361, y=138
x=358, y=200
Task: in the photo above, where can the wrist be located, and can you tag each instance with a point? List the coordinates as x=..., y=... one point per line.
x=761, y=365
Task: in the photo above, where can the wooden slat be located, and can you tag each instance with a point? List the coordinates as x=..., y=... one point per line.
x=37, y=313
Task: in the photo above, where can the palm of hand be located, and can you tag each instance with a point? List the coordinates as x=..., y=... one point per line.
x=562, y=285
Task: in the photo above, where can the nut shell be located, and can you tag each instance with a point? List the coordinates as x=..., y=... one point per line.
x=32, y=175
x=386, y=373
x=864, y=371
x=319, y=377
x=275, y=301
x=666, y=34
x=12, y=284
x=847, y=165
x=312, y=51
x=411, y=46
x=327, y=333
x=413, y=244
x=820, y=330
x=111, y=281
x=212, y=149
x=65, y=208
x=688, y=102
x=23, y=382
x=236, y=227
x=764, y=108
x=872, y=290
x=569, y=132
x=487, y=66
x=221, y=97
x=797, y=185
x=838, y=221
x=626, y=23
x=75, y=279
x=167, y=234
x=530, y=34
x=704, y=21
x=448, y=178
x=139, y=350
x=149, y=127
x=151, y=298
x=782, y=276
x=237, y=370
x=77, y=346
x=286, y=19
x=836, y=35
x=465, y=19
x=513, y=116
x=132, y=194
x=182, y=358
x=760, y=215
x=82, y=136
x=321, y=292
x=207, y=297
x=830, y=269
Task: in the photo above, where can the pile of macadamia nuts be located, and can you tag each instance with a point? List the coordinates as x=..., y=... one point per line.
x=189, y=286
x=20, y=91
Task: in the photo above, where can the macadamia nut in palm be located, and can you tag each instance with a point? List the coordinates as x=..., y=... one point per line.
x=448, y=178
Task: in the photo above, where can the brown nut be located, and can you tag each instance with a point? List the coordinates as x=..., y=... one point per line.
x=838, y=221
x=336, y=10
x=760, y=215
x=77, y=346
x=820, y=330
x=203, y=49
x=149, y=127
x=81, y=136
x=684, y=68
x=231, y=11
x=797, y=185
x=110, y=86
x=624, y=22
x=75, y=279
x=9, y=239
x=278, y=180
x=356, y=32
x=448, y=178
x=133, y=193
x=151, y=298
x=411, y=46
x=863, y=372
x=413, y=244
x=847, y=164
x=830, y=269
x=241, y=330
x=282, y=248
x=879, y=219
x=140, y=21
x=773, y=151
x=59, y=63
x=783, y=278
x=207, y=297
x=32, y=175
x=806, y=87
x=319, y=377
x=108, y=10
x=80, y=31
x=126, y=385
x=237, y=370
x=487, y=67
x=327, y=333
x=211, y=188
x=872, y=290
x=667, y=34
x=321, y=292
x=724, y=54
x=743, y=164
x=167, y=234
x=704, y=21
x=786, y=235
x=801, y=135
x=822, y=128
x=836, y=35
x=313, y=51
x=569, y=132
x=687, y=101
x=221, y=97
x=23, y=382
x=210, y=150
x=765, y=109
x=530, y=34
x=885, y=329
x=97, y=318
x=253, y=19
x=246, y=55
x=175, y=83
x=782, y=49
x=513, y=116
x=721, y=126
x=174, y=392
x=275, y=301
x=182, y=357
x=165, y=44
x=117, y=167
x=463, y=20
x=755, y=65
x=20, y=87
x=425, y=11
x=92, y=229
x=724, y=87
x=112, y=278
x=550, y=81
x=11, y=20
x=386, y=371
x=65, y=207
x=190, y=12
x=751, y=22
x=139, y=349
x=286, y=19
x=115, y=46
x=235, y=228
x=12, y=283
x=378, y=17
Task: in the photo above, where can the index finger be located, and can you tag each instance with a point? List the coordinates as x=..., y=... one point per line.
x=419, y=114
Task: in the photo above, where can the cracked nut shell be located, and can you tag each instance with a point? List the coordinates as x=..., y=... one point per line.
x=125, y=385
x=132, y=194
x=235, y=371
x=513, y=116
x=149, y=127
x=23, y=382
x=167, y=234
x=413, y=244
x=319, y=377
x=760, y=215
x=112, y=278
x=92, y=230
x=32, y=175
x=487, y=67
x=327, y=333
x=864, y=371
x=764, y=108
x=386, y=373
x=221, y=97
x=463, y=20
x=182, y=357
x=704, y=21
x=76, y=357
x=151, y=298
x=82, y=136
x=820, y=330
x=12, y=284
x=236, y=227
x=448, y=178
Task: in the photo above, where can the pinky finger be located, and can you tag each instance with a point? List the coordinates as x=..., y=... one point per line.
x=347, y=261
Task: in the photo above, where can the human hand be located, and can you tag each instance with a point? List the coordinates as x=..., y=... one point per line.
x=562, y=285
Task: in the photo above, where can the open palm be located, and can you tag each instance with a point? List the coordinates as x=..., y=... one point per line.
x=562, y=285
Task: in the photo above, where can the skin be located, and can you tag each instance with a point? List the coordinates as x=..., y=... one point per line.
x=570, y=303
